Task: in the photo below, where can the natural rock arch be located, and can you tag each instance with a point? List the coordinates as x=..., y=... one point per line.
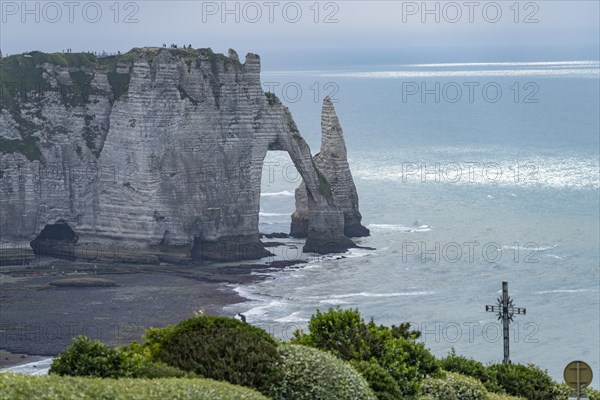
x=178, y=153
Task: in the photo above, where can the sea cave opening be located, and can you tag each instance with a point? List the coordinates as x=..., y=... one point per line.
x=56, y=240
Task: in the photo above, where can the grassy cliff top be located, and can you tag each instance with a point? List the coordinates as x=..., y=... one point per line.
x=24, y=68
x=22, y=74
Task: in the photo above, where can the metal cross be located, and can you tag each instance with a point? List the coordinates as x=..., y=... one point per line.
x=505, y=311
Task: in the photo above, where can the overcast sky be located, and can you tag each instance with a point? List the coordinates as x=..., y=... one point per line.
x=464, y=30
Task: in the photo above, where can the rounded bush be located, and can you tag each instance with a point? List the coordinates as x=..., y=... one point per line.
x=221, y=348
x=465, y=366
x=311, y=374
x=87, y=357
x=454, y=387
x=437, y=389
x=526, y=381
x=381, y=382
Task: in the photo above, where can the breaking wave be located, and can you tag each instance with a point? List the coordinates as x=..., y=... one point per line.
x=368, y=294
x=275, y=194
x=268, y=214
x=399, y=228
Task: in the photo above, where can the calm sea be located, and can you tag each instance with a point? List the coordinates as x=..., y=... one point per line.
x=468, y=175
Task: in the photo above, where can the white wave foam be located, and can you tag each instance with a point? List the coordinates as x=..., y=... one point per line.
x=259, y=304
x=261, y=312
x=268, y=214
x=544, y=248
x=246, y=293
x=33, y=368
x=293, y=317
x=553, y=256
x=357, y=253
x=317, y=259
x=564, y=291
x=333, y=302
x=282, y=193
x=367, y=294
x=305, y=267
x=399, y=228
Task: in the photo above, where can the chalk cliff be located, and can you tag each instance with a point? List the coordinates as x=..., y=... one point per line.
x=153, y=155
x=332, y=162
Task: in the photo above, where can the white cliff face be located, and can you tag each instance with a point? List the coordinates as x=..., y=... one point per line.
x=158, y=158
x=332, y=162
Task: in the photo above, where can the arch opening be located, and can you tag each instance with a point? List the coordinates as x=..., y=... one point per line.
x=279, y=180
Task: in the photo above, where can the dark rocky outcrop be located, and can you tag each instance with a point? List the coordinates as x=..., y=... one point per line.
x=153, y=155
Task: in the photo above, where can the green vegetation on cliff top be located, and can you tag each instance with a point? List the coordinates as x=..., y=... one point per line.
x=24, y=72
x=23, y=79
x=25, y=67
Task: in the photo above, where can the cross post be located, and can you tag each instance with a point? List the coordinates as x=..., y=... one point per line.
x=505, y=311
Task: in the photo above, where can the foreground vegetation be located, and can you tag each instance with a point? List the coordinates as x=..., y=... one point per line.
x=340, y=357
x=17, y=386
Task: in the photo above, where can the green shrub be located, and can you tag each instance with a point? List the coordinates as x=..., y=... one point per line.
x=454, y=387
x=435, y=389
x=593, y=394
x=86, y=357
x=52, y=387
x=152, y=370
x=526, y=381
x=341, y=332
x=381, y=382
x=409, y=363
x=566, y=391
x=219, y=348
x=469, y=367
x=347, y=335
x=309, y=374
x=150, y=347
x=463, y=365
x=496, y=396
